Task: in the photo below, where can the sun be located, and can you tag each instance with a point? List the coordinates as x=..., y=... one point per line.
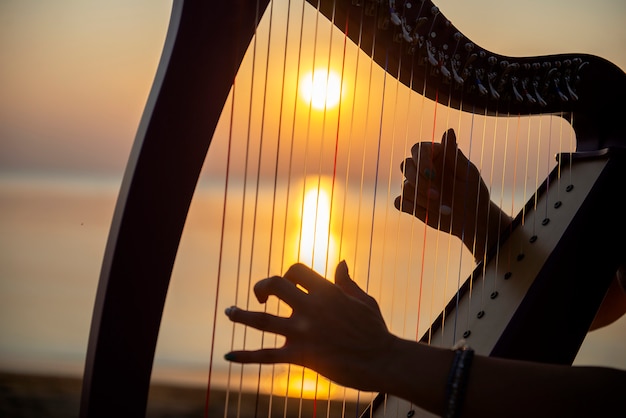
x=321, y=88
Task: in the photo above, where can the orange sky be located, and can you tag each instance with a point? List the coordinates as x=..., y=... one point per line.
x=74, y=77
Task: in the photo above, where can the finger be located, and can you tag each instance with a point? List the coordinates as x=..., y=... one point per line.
x=259, y=320
x=454, y=157
x=409, y=169
x=448, y=142
x=345, y=283
x=281, y=288
x=411, y=197
x=428, y=160
x=263, y=356
x=350, y=287
x=422, y=151
x=408, y=206
x=405, y=201
x=304, y=276
x=425, y=196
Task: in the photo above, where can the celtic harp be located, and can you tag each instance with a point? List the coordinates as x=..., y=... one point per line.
x=226, y=97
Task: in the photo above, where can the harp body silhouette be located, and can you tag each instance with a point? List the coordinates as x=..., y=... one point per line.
x=567, y=267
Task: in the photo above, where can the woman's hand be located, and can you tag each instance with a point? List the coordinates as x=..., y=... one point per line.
x=445, y=190
x=334, y=329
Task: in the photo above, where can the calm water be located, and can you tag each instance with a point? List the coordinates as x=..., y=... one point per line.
x=52, y=237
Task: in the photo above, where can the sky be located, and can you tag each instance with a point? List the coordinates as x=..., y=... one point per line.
x=75, y=75
x=74, y=78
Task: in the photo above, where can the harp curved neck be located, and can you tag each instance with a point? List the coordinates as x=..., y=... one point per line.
x=427, y=53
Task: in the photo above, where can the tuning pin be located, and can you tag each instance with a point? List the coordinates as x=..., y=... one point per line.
x=518, y=96
x=570, y=90
x=529, y=97
x=481, y=88
x=494, y=94
x=431, y=57
x=395, y=18
x=434, y=10
x=406, y=35
x=444, y=70
x=456, y=76
x=562, y=96
x=469, y=47
x=420, y=21
x=540, y=99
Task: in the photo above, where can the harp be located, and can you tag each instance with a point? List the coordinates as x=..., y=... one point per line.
x=193, y=82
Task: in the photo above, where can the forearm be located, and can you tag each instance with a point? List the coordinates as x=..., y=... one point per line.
x=499, y=387
x=484, y=232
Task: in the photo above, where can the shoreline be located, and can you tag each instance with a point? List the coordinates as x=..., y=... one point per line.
x=31, y=395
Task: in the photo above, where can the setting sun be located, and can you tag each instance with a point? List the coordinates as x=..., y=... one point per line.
x=321, y=88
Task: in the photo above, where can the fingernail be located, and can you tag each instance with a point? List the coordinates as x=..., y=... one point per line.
x=229, y=356
x=230, y=310
x=445, y=210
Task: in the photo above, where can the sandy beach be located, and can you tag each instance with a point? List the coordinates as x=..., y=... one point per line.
x=30, y=396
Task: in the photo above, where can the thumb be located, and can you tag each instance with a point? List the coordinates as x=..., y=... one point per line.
x=350, y=288
x=454, y=157
x=448, y=141
x=345, y=283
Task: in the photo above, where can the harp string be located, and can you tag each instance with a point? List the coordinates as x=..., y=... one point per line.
x=288, y=189
x=220, y=259
x=256, y=198
x=390, y=184
x=248, y=160
x=349, y=152
x=318, y=202
x=250, y=200
x=505, y=140
x=423, y=226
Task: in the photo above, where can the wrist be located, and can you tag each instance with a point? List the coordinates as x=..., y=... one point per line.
x=491, y=223
x=418, y=373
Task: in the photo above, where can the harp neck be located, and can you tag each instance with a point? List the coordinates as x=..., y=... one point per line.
x=426, y=52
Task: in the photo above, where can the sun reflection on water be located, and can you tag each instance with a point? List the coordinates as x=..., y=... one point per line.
x=317, y=243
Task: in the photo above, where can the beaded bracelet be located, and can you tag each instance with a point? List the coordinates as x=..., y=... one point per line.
x=457, y=380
